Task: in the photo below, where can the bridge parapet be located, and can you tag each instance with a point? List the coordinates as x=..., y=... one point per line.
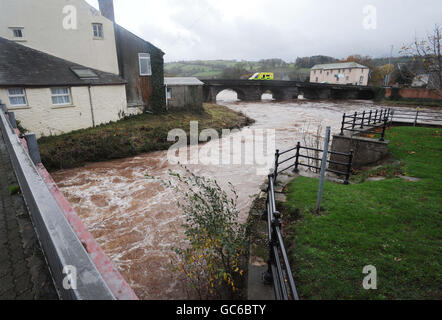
x=249, y=90
x=79, y=267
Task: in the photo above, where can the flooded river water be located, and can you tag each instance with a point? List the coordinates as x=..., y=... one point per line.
x=136, y=220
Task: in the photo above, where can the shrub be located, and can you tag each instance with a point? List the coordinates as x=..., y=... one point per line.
x=214, y=261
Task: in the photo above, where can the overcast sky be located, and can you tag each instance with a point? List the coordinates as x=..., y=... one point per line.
x=261, y=29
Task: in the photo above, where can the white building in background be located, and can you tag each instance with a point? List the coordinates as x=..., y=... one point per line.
x=51, y=96
x=69, y=29
x=350, y=73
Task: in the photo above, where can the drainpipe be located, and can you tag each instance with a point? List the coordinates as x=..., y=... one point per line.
x=92, y=106
x=167, y=100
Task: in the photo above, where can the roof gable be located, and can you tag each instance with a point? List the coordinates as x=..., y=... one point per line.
x=23, y=66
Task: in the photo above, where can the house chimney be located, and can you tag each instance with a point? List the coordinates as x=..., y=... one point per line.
x=107, y=9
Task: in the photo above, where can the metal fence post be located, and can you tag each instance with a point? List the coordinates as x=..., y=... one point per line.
x=276, y=164
x=298, y=151
x=349, y=166
x=323, y=168
x=369, y=119
x=376, y=117
x=354, y=121
x=343, y=124
x=363, y=120
x=384, y=128
x=417, y=116
x=392, y=116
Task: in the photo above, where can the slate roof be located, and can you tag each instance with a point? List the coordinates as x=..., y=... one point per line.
x=343, y=65
x=23, y=66
x=181, y=81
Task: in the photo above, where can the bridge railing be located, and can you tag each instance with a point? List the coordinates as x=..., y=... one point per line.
x=417, y=117
x=79, y=268
x=366, y=121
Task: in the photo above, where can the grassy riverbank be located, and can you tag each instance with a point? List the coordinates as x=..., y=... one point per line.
x=393, y=224
x=132, y=136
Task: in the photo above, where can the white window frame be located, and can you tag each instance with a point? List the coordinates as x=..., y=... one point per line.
x=14, y=37
x=169, y=93
x=96, y=33
x=61, y=95
x=145, y=56
x=23, y=95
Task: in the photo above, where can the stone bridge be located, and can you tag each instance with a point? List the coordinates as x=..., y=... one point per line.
x=252, y=90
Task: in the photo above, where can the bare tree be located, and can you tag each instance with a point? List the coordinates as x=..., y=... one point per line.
x=427, y=52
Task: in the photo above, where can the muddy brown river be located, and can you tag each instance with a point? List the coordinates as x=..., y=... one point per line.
x=136, y=220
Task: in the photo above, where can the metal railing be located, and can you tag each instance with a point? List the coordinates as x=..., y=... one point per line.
x=366, y=121
x=278, y=272
x=417, y=117
x=298, y=156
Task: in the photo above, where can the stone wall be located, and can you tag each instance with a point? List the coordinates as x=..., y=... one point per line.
x=412, y=93
x=366, y=151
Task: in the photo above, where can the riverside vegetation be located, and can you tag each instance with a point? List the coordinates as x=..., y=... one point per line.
x=131, y=136
x=213, y=263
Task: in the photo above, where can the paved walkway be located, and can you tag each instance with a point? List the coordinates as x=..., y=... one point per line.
x=24, y=274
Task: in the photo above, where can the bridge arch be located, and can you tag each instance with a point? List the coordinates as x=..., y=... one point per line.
x=281, y=93
x=268, y=95
x=227, y=95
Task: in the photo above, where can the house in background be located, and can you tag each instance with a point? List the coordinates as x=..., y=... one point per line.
x=350, y=73
x=140, y=63
x=39, y=25
x=96, y=42
x=420, y=81
x=184, y=93
x=51, y=96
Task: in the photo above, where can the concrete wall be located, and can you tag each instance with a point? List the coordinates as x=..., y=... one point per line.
x=412, y=93
x=186, y=97
x=42, y=23
x=367, y=151
x=350, y=76
x=43, y=118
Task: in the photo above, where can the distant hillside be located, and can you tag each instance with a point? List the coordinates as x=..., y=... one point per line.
x=218, y=69
x=233, y=69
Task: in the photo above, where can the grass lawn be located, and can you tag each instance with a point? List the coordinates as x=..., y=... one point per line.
x=394, y=225
x=131, y=136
